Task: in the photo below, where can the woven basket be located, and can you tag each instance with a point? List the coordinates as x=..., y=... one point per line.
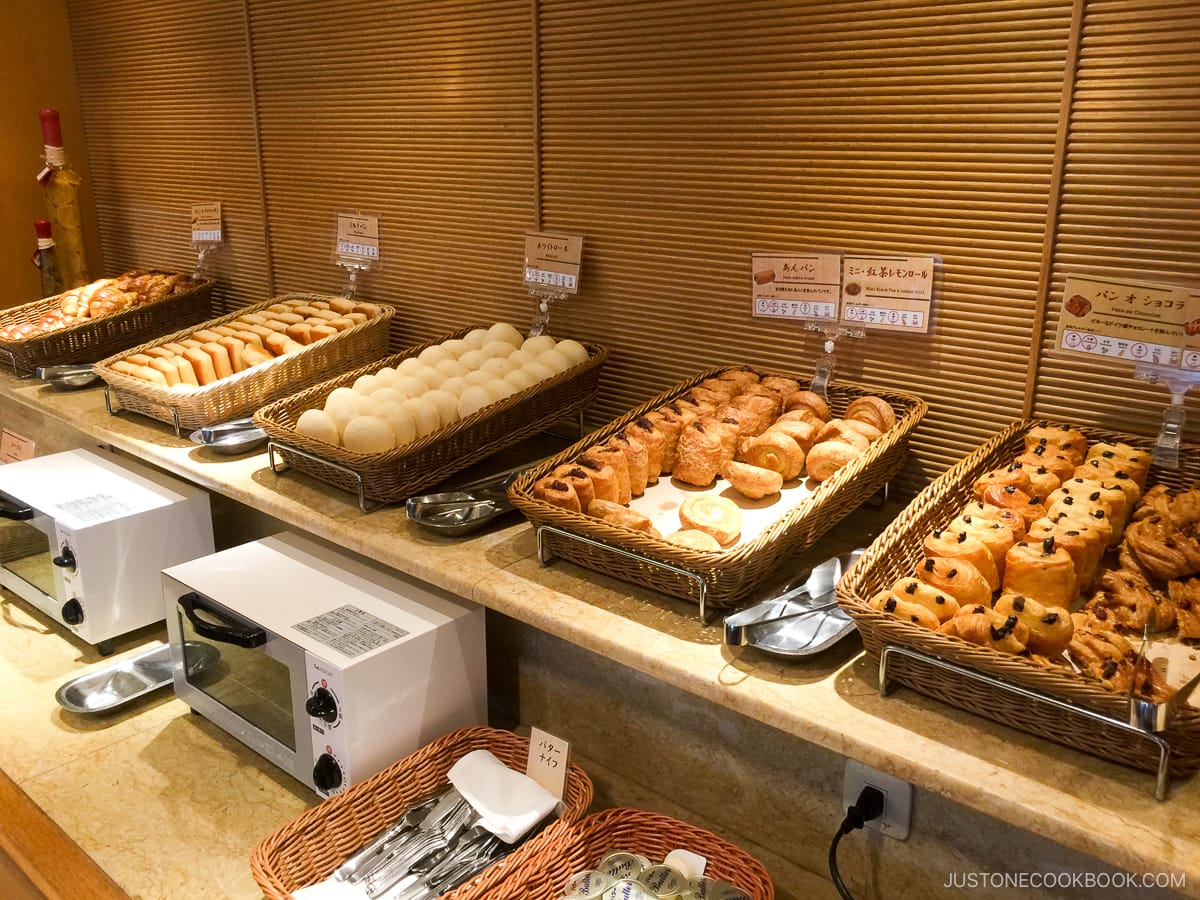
x=729, y=576
x=896, y=552
x=584, y=844
x=242, y=393
x=310, y=847
x=408, y=470
x=95, y=339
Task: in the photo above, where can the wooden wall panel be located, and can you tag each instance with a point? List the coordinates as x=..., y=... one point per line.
x=1130, y=203
x=166, y=96
x=419, y=112
x=682, y=136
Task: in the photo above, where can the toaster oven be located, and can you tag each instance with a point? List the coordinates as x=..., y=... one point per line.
x=88, y=535
x=330, y=667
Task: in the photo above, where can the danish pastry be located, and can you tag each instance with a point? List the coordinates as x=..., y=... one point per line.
x=1094, y=518
x=802, y=414
x=727, y=388
x=784, y=387
x=750, y=481
x=871, y=409
x=619, y=462
x=906, y=610
x=996, y=536
x=580, y=479
x=1059, y=464
x=1058, y=439
x=988, y=628
x=1085, y=546
x=693, y=540
x=1135, y=461
x=742, y=377
x=637, y=460
x=1131, y=603
x=1085, y=507
x=1050, y=627
x=1009, y=497
x=558, y=492
x=810, y=400
x=698, y=454
x=757, y=412
x=827, y=457
x=717, y=516
x=645, y=432
x=605, y=485
x=1041, y=570
x=870, y=432
x=1112, y=499
x=955, y=577
x=841, y=430
x=961, y=545
x=1006, y=517
x=943, y=606
x=1014, y=474
x=1041, y=480
x=775, y=451
x=803, y=433
x=616, y=514
x=669, y=426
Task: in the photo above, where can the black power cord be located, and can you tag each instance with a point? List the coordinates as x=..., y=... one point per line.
x=867, y=807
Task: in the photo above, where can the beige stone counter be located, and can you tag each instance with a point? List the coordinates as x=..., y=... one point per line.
x=1100, y=809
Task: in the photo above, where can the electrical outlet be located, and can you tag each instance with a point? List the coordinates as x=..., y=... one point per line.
x=897, y=798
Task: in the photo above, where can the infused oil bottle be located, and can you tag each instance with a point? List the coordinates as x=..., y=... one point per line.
x=61, y=185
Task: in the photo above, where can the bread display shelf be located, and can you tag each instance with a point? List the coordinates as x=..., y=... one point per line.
x=94, y=339
x=402, y=472
x=243, y=392
x=1054, y=702
x=728, y=577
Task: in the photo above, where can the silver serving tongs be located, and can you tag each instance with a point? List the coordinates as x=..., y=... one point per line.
x=72, y=376
x=813, y=595
x=1148, y=715
x=467, y=509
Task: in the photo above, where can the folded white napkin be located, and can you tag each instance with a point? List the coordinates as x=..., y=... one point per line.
x=510, y=803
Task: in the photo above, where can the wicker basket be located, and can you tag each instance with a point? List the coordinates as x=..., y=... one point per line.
x=242, y=393
x=310, y=847
x=583, y=845
x=898, y=550
x=730, y=576
x=408, y=470
x=95, y=339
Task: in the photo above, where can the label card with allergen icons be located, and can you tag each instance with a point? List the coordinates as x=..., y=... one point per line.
x=357, y=242
x=1138, y=321
x=552, y=262
x=890, y=293
x=804, y=285
x=206, y=223
x=1191, y=334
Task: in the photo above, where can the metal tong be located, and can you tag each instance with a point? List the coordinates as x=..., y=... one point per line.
x=1149, y=715
x=68, y=377
x=467, y=509
x=234, y=436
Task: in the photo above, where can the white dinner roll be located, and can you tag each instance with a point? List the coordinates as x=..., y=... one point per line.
x=343, y=394
x=454, y=385
x=424, y=413
x=384, y=395
x=368, y=434
x=573, y=350
x=473, y=399
x=431, y=356
x=498, y=348
x=401, y=421
x=431, y=376
x=366, y=384
x=539, y=345
x=555, y=361
x=520, y=379
x=502, y=331
x=456, y=347
x=478, y=377
x=408, y=366
x=342, y=405
x=520, y=357
x=447, y=406
x=539, y=370
x=387, y=376
x=473, y=359
x=476, y=338
x=501, y=388
x=318, y=425
x=410, y=385
x=451, y=368
x=497, y=366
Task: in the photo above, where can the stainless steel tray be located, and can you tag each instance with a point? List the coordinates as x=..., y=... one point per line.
x=114, y=686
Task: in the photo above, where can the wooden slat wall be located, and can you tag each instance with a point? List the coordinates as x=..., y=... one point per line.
x=421, y=112
x=678, y=136
x=167, y=106
x=682, y=136
x=1130, y=202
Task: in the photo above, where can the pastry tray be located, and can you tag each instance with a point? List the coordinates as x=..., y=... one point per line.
x=93, y=339
x=771, y=534
x=1051, y=702
x=242, y=393
x=405, y=471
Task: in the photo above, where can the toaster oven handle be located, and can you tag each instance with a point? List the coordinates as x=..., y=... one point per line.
x=12, y=508
x=233, y=631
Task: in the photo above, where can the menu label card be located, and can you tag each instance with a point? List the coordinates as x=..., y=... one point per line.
x=1133, y=320
x=547, y=762
x=801, y=286
x=553, y=260
x=1191, y=334
x=14, y=447
x=892, y=293
x=206, y=223
x=357, y=237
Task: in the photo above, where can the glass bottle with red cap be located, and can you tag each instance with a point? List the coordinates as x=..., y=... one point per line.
x=61, y=185
x=46, y=259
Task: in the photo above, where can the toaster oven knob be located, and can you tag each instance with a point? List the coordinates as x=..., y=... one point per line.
x=327, y=774
x=67, y=560
x=321, y=705
x=72, y=612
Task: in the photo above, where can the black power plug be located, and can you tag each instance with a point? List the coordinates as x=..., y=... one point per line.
x=867, y=807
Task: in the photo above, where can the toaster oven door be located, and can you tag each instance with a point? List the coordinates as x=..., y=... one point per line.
x=27, y=564
x=256, y=692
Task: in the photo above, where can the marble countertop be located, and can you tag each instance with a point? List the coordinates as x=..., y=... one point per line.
x=1087, y=804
